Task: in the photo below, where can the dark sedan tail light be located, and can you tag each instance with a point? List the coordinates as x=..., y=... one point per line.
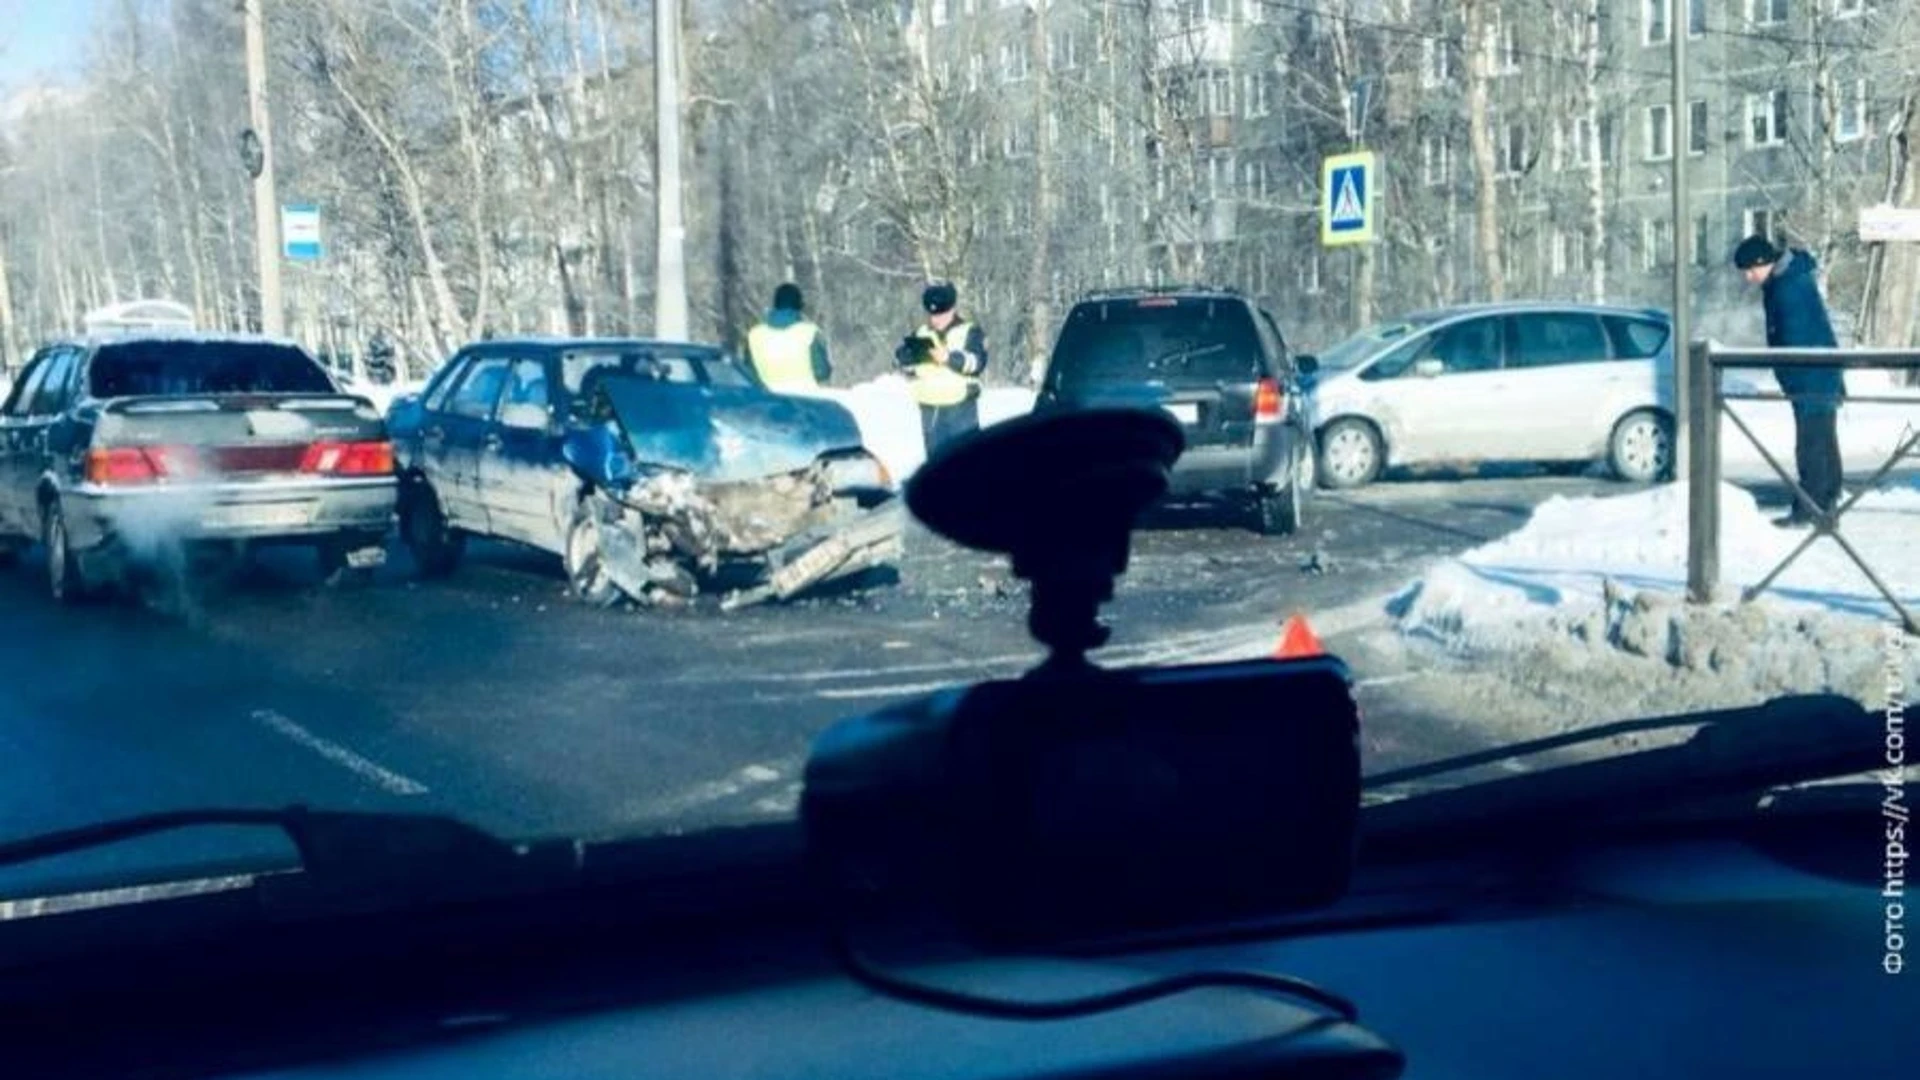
x=1268, y=402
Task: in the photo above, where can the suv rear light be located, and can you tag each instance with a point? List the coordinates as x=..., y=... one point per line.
x=1268, y=402
x=126, y=465
x=349, y=458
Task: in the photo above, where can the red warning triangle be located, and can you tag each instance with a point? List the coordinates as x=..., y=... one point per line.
x=1297, y=639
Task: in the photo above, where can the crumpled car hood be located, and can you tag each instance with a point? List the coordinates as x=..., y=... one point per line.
x=726, y=434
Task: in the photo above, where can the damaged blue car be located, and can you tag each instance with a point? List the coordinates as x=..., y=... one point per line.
x=656, y=471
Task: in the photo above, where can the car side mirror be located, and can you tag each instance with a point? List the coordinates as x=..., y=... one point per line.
x=1428, y=369
x=1306, y=364
x=524, y=417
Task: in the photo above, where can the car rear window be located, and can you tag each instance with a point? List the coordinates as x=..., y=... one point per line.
x=1158, y=339
x=1636, y=339
x=185, y=368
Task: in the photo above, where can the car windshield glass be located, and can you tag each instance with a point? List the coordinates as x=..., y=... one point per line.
x=185, y=367
x=1156, y=340
x=1368, y=343
x=444, y=572
x=661, y=362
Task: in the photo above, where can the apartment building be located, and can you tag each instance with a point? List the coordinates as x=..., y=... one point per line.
x=1189, y=134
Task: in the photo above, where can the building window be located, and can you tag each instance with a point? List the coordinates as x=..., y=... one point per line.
x=1696, y=18
x=1253, y=95
x=1061, y=51
x=1606, y=140
x=1762, y=223
x=1696, y=127
x=1577, y=252
x=1255, y=180
x=1013, y=62
x=1703, y=253
x=942, y=12
x=1436, y=63
x=1017, y=142
x=1766, y=12
x=1850, y=111
x=1504, y=42
x=1436, y=160
x=1656, y=249
x=1513, y=150
x=1767, y=119
x=1220, y=176
x=1654, y=24
x=1310, y=274
x=976, y=70
x=1559, y=256
x=1219, y=93
x=1658, y=132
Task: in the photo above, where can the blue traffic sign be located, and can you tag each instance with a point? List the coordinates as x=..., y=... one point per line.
x=1346, y=199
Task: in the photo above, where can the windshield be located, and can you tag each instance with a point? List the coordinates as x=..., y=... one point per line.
x=1368, y=343
x=608, y=519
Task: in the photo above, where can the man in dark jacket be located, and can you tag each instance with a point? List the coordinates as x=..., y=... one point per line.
x=1797, y=319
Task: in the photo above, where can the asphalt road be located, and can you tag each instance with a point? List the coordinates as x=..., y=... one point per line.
x=492, y=697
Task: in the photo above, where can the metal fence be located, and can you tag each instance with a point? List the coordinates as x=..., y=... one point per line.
x=1705, y=402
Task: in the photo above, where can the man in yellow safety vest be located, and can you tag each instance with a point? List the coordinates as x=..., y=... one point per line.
x=943, y=361
x=787, y=350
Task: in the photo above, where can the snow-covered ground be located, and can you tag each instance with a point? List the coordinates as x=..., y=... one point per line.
x=1869, y=432
x=1584, y=605
x=382, y=396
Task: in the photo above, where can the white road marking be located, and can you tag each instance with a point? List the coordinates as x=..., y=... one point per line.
x=891, y=690
x=372, y=772
x=740, y=780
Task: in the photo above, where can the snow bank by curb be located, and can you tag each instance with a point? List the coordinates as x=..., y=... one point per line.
x=1591, y=580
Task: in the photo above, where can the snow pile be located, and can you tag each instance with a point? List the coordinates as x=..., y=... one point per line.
x=890, y=421
x=382, y=396
x=1590, y=580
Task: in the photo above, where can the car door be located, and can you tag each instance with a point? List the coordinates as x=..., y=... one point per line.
x=524, y=481
x=1438, y=395
x=1558, y=368
x=454, y=436
x=18, y=450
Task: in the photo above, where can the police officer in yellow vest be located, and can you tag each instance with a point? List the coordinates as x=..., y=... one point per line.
x=787, y=350
x=943, y=361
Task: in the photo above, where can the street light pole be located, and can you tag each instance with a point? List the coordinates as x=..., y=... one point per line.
x=1679, y=20
x=266, y=208
x=670, y=260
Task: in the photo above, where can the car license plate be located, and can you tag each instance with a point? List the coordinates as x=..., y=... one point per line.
x=1185, y=411
x=818, y=559
x=257, y=516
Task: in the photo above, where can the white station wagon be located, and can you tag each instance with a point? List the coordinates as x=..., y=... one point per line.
x=1535, y=382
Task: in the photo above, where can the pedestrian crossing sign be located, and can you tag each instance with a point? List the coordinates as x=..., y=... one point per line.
x=1346, y=199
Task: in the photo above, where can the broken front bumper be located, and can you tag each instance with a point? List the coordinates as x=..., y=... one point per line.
x=660, y=549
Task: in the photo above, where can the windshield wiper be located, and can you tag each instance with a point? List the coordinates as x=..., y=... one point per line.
x=348, y=860
x=1735, y=752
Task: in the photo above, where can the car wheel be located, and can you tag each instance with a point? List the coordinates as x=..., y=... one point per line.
x=1351, y=454
x=435, y=545
x=66, y=581
x=1641, y=448
x=587, y=576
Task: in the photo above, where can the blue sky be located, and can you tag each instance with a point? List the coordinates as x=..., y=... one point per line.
x=39, y=38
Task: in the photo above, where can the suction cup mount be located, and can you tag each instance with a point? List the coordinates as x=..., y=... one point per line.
x=1060, y=494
